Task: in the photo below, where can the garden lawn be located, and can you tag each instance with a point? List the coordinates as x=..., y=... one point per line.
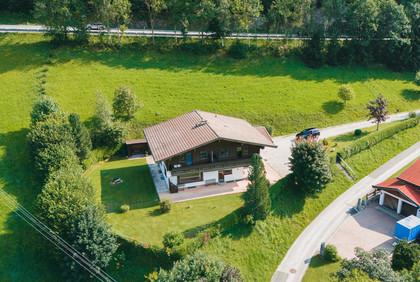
x=149, y=225
x=319, y=270
x=136, y=190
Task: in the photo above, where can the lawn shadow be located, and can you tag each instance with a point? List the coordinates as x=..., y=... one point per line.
x=349, y=137
x=333, y=107
x=286, y=198
x=135, y=190
x=411, y=95
x=24, y=254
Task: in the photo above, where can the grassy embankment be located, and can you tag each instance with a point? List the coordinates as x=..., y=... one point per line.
x=282, y=92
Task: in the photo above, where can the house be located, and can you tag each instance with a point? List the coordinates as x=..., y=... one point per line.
x=402, y=194
x=201, y=148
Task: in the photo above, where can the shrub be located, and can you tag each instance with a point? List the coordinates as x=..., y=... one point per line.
x=196, y=267
x=231, y=274
x=374, y=138
x=405, y=255
x=173, y=239
x=346, y=93
x=238, y=50
x=81, y=137
x=44, y=107
x=418, y=78
x=309, y=164
x=325, y=142
x=358, y=132
x=331, y=254
x=165, y=205
x=124, y=208
x=412, y=114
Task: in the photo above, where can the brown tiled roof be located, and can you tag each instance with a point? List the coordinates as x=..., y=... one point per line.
x=197, y=128
x=412, y=174
x=409, y=191
x=135, y=141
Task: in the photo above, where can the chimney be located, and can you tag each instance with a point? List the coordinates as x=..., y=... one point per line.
x=203, y=122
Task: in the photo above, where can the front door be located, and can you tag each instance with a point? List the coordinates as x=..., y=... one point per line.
x=189, y=159
x=221, y=176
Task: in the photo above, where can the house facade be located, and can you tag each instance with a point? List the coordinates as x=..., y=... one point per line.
x=402, y=194
x=201, y=148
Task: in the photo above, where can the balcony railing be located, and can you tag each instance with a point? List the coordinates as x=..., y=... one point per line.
x=211, y=166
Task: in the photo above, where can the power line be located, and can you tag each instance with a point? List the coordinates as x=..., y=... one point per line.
x=61, y=244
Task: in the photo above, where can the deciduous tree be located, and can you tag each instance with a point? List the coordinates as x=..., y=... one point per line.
x=257, y=197
x=346, y=93
x=405, y=255
x=377, y=110
x=154, y=7
x=125, y=102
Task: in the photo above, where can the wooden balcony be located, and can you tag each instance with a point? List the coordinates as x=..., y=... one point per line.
x=211, y=166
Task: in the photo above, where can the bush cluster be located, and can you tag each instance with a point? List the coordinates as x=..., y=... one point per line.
x=331, y=253
x=405, y=255
x=165, y=205
x=124, y=208
x=374, y=138
x=173, y=239
x=238, y=50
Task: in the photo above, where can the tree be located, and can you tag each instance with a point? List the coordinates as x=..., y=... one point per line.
x=405, y=255
x=204, y=12
x=220, y=23
x=346, y=93
x=377, y=110
x=257, y=197
x=196, y=267
x=81, y=137
x=245, y=12
x=55, y=130
x=154, y=7
x=103, y=111
x=53, y=158
x=310, y=165
x=375, y=263
x=313, y=54
x=125, y=102
x=64, y=196
x=92, y=237
x=55, y=14
x=417, y=79
x=122, y=9
x=43, y=108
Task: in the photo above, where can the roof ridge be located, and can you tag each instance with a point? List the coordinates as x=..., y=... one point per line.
x=218, y=136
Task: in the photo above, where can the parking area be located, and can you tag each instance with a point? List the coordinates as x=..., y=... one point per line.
x=370, y=229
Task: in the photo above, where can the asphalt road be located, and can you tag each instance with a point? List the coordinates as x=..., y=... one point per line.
x=296, y=262
x=278, y=158
x=142, y=32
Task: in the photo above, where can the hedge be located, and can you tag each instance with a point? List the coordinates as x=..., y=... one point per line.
x=374, y=138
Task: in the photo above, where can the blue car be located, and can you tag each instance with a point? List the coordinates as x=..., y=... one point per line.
x=308, y=132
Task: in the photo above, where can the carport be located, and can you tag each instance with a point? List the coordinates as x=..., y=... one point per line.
x=136, y=147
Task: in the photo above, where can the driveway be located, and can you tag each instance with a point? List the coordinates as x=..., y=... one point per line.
x=370, y=229
x=278, y=158
x=296, y=261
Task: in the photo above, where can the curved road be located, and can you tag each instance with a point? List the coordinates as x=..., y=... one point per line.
x=296, y=261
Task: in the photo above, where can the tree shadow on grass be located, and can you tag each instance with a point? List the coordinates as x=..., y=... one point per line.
x=24, y=254
x=349, y=137
x=411, y=95
x=333, y=107
x=286, y=198
x=141, y=54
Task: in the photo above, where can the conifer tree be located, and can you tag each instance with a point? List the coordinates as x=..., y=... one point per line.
x=81, y=136
x=257, y=197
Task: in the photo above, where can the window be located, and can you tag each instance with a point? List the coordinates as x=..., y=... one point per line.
x=182, y=158
x=224, y=153
x=245, y=150
x=239, y=152
x=191, y=177
x=204, y=155
x=227, y=172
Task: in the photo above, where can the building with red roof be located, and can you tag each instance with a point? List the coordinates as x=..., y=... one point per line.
x=402, y=193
